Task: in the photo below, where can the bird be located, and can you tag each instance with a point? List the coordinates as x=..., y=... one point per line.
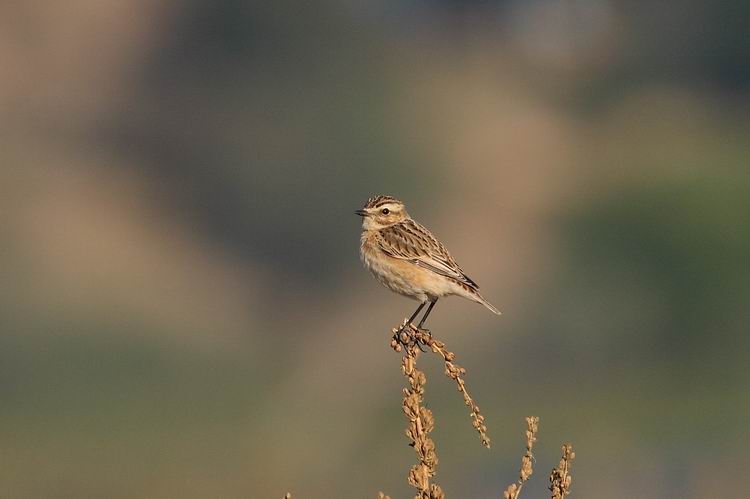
x=406, y=258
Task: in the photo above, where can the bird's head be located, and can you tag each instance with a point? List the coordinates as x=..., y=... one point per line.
x=382, y=211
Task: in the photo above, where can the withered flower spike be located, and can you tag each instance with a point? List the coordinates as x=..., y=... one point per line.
x=514, y=489
x=560, y=477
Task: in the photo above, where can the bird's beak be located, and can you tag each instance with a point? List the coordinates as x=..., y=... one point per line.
x=361, y=213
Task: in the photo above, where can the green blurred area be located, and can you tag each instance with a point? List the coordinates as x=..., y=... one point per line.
x=182, y=309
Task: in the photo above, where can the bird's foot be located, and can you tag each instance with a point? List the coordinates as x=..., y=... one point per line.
x=407, y=335
x=402, y=335
x=423, y=337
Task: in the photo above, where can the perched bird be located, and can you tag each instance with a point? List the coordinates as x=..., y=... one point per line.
x=406, y=258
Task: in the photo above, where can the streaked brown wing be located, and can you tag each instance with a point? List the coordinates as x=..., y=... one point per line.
x=411, y=241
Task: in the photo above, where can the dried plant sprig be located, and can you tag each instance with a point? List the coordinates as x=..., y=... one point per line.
x=560, y=477
x=421, y=423
x=408, y=335
x=381, y=495
x=454, y=371
x=514, y=489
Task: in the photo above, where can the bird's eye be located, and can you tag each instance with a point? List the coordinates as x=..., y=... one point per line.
x=385, y=211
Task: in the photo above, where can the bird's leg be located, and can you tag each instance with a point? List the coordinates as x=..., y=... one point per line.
x=419, y=326
x=429, y=309
x=414, y=315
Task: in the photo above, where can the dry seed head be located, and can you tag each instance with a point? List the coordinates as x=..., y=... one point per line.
x=560, y=477
x=524, y=473
x=436, y=492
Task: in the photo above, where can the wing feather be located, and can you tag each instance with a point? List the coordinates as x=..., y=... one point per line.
x=412, y=242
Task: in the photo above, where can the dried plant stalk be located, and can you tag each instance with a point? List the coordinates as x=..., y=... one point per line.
x=408, y=335
x=421, y=423
x=560, y=477
x=410, y=340
x=514, y=489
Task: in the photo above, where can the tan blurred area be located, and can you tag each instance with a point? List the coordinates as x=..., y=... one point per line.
x=182, y=309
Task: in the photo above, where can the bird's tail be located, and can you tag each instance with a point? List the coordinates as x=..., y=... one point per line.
x=480, y=299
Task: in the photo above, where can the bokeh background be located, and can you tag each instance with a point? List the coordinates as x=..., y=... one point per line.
x=183, y=312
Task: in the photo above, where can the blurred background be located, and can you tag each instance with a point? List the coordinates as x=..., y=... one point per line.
x=183, y=311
